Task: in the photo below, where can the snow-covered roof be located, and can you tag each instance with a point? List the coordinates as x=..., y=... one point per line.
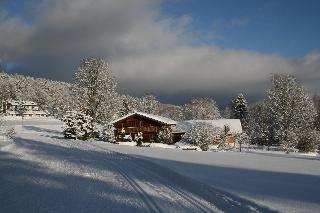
x=149, y=116
x=24, y=103
x=234, y=124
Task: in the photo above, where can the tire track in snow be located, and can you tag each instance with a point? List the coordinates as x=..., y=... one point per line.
x=190, y=199
x=184, y=195
x=152, y=205
x=145, y=197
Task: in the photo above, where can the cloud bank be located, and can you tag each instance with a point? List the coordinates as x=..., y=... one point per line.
x=148, y=51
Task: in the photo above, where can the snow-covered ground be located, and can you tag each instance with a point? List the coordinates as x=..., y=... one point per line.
x=286, y=183
x=42, y=172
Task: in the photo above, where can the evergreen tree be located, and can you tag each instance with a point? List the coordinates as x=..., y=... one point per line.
x=239, y=107
x=226, y=113
x=224, y=137
x=78, y=125
x=107, y=134
x=164, y=135
x=124, y=108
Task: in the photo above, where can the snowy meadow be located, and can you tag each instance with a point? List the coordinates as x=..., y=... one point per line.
x=42, y=171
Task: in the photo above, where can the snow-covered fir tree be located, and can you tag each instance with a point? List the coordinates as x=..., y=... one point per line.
x=239, y=107
x=78, y=125
x=107, y=133
x=291, y=108
x=201, y=108
x=201, y=134
x=164, y=135
x=223, y=144
x=226, y=113
x=124, y=108
x=95, y=90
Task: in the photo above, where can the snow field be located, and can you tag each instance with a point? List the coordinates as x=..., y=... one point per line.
x=42, y=172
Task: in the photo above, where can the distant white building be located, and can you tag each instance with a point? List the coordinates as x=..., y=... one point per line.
x=233, y=124
x=22, y=108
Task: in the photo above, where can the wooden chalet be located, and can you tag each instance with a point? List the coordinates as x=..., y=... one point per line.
x=148, y=124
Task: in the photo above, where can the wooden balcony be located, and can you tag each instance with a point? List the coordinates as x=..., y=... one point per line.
x=139, y=129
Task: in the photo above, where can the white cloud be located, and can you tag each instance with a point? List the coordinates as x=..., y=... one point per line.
x=148, y=52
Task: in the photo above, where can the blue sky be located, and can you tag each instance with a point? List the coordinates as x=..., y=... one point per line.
x=290, y=28
x=171, y=48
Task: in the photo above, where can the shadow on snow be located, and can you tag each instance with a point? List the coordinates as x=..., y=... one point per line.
x=30, y=187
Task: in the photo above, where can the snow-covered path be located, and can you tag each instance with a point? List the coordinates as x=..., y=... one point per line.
x=42, y=172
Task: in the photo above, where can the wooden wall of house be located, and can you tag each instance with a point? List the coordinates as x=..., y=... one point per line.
x=134, y=124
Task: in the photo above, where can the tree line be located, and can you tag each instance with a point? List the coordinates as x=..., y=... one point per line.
x=288, y=116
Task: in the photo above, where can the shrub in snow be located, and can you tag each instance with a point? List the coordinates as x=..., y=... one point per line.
x=138, y=138
x=125, y=137
x=309, y=141
x=107, y=134
x=128, y=138
x=78, y=126
x=164, y=135
x=11, y=133
x=201, y=134
x=122, y=135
